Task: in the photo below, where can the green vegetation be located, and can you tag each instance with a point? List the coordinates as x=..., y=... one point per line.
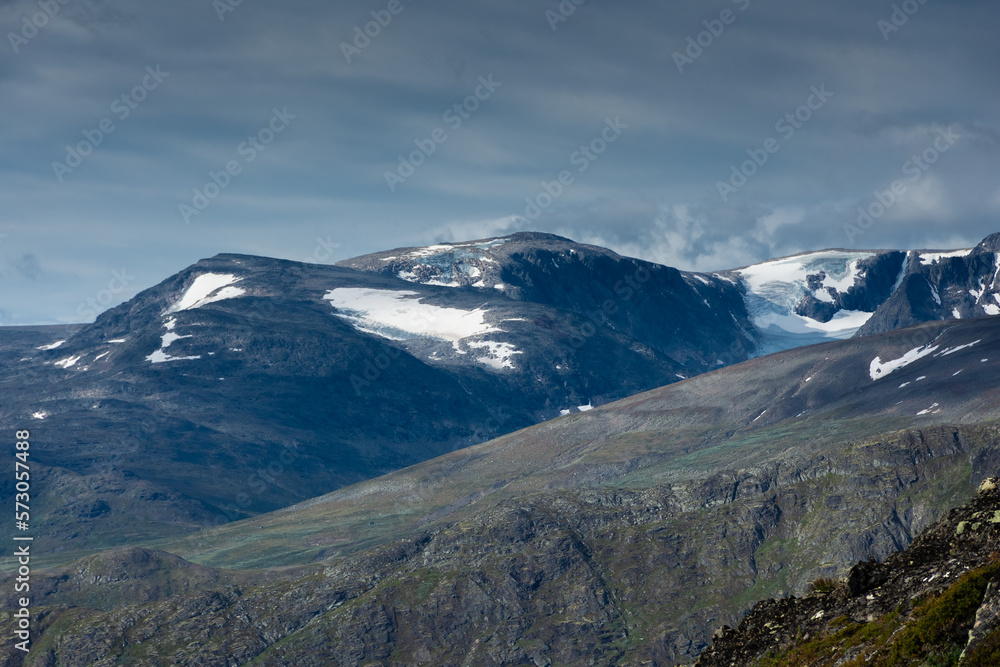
x=932, y=635
x=823, y=585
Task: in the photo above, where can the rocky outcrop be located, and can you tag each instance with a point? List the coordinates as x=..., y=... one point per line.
x=937, y=602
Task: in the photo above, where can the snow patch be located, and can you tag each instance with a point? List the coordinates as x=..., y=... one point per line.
x=40, y=414
x=700, y=279
x=208, y=288
x=101, y=355
x=935, y=295
x=498, y=354
x=563, y=413
x=929, y=258
x=877, y=369
x=991, y=309
x=52, y=346
x=160, y=356
x=953, y=350
x=585, y=408
x=117, y=340
x=928, y=410
x=400, y=315
x=69, y=362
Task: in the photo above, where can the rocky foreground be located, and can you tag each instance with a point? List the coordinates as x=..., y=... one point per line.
x=936, y=603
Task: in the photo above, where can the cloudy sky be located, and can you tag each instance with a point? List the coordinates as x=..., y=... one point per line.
x=116, y=115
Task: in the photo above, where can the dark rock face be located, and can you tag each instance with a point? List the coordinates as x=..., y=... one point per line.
x=877, y=279
x=880, y=605
x=941, y=288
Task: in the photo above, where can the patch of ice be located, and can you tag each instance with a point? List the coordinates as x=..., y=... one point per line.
x=928, y=258
x=208, y=288
x=400, y=315
x=68, y=362
x=52, y=346
x=877, y=369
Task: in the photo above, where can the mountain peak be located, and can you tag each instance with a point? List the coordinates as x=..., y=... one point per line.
x=990, y=244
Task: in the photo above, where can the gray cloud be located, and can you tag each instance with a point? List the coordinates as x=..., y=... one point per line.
x=653, y=193
x=27, y=266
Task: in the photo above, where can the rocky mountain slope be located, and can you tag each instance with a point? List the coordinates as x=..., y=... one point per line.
x=935, y=603
x=623, y=535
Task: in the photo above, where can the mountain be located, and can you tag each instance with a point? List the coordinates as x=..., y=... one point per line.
x=934, y=603
x=623, y=535
x=244, y=384
x=817, y=296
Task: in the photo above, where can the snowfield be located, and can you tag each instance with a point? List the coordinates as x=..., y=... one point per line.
x=401, y=315
x=929, y=258
x=208, y=288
